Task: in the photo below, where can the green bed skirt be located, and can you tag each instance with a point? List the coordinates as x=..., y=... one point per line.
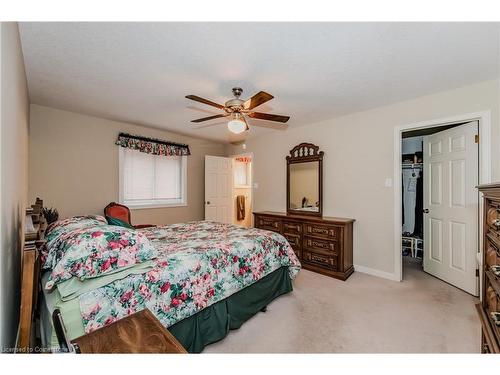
x=214, y=322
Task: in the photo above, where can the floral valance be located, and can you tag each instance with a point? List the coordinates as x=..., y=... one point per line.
x=152, y=145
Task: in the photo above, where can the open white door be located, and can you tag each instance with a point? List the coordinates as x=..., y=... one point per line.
x=218, y=189
x=451, y=206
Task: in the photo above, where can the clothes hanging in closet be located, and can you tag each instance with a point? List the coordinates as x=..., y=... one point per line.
x=419, y=206
x=409, y=199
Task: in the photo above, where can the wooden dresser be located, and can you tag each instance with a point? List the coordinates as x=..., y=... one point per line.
x=490, y=297
x=322, y=244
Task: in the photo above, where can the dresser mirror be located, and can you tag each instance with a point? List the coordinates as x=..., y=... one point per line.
x=304, y=180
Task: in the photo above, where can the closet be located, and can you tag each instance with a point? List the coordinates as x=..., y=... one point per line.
x=412, y=198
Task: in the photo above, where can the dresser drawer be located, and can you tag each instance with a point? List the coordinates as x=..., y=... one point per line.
x=315, y=244
x=492, y=255
x=268, y=223
x=321, y=260
x=491, y=300
x=320, y=230
x=292, y=227
x=493, y=218
x=293, y=239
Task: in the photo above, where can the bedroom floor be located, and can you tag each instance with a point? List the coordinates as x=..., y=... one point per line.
x=365, y=314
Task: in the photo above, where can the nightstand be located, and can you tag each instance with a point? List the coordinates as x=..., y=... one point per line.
x=141, y=332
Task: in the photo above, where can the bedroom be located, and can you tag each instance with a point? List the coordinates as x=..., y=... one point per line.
x=100, y=112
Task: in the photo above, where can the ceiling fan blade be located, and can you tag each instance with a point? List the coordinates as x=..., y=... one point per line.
x=269, y=117
x=204, y=101
x=260, y=98
x=209, y=118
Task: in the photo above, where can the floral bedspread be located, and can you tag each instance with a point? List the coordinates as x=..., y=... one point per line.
x=199, y=264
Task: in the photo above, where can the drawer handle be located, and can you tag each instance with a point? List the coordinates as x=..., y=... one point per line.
x=318, y=230
x=316, y=258
x=495, y=269
x=323, y=231
x=495, y=316
x=321, y=245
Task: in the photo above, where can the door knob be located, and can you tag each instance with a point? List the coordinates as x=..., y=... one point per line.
x=426, y=210
x=208, y=202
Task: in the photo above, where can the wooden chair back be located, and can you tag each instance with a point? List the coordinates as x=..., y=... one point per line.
x=118, y=211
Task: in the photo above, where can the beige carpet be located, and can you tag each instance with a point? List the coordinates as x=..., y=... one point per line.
x=365, y=314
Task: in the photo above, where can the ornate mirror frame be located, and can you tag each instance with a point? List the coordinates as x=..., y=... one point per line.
x=303, y=153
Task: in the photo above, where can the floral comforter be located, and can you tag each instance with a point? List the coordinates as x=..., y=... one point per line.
x=199, y=264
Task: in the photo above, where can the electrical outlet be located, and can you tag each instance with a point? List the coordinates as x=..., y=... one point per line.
x=388, y=182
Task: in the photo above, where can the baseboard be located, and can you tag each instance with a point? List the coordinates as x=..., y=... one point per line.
x=374, y=272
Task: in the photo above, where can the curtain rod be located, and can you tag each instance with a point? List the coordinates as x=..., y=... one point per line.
x=156, y=140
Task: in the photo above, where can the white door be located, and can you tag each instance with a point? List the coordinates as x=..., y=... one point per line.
x=218, y=189
x=451, y=206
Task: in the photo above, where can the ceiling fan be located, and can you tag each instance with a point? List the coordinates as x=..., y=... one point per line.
x=236, y=109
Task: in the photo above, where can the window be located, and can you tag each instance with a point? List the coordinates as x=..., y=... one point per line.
x=148, y=180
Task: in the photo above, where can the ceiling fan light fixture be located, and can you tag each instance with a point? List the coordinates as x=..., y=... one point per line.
x=237, y=110
x=236, y=126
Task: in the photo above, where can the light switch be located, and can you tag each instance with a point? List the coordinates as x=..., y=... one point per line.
x=255, y=185
x=388, y=182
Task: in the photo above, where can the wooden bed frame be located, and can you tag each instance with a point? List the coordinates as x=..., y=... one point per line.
x=33, y=235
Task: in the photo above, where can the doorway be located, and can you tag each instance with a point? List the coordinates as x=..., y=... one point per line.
x=242, y=190
x=438, y=173
x=440, y=203
x=229, y=190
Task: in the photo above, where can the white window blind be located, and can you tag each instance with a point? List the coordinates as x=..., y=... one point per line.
x=152, y=180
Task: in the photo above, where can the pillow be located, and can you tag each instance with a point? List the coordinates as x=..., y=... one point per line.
x=118, y=222
x=81, y=221
x=56, y=231
x=98, y=250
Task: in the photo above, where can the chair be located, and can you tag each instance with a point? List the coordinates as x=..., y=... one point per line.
x=121, y=212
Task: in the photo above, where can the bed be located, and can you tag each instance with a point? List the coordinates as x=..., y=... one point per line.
x=206, y=279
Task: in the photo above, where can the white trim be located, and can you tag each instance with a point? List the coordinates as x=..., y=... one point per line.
x=374, y=272
x=484, y=119
x=143, y=206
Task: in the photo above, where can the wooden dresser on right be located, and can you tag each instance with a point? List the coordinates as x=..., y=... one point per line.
x=489, y=308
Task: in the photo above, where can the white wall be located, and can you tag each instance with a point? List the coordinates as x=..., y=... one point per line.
x=14, y=109
x=358, y=157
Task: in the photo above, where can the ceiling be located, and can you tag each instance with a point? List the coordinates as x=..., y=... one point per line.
x=140, y=72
